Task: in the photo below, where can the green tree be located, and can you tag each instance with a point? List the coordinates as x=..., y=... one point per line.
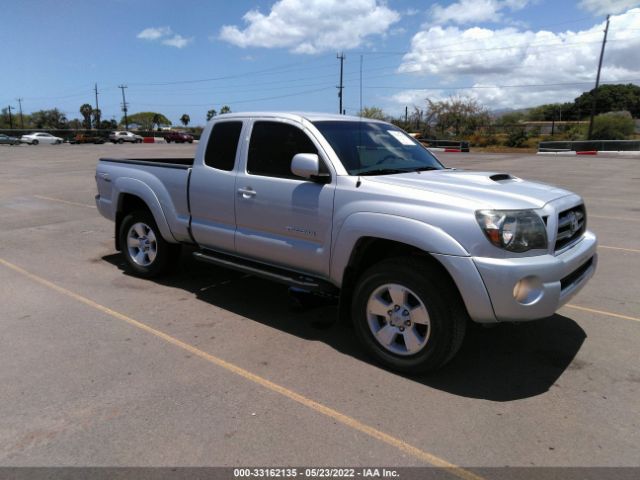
x=86, y=110
x=611, y=98
x=613, y=126
x=225, y=109
x=53, y=118
x=147, y=120
x=373, y=112
x=185, y=119
x=457, y=115
x=211, y=113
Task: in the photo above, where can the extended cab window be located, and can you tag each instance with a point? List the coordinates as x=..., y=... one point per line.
x=273, y=145
x=222, y=146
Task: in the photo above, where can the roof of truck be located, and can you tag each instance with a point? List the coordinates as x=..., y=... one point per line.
x=310, y=116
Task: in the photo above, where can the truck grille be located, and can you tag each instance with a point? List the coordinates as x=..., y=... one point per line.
x=571, y=225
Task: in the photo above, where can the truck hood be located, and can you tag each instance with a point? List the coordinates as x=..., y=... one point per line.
x=485, y=189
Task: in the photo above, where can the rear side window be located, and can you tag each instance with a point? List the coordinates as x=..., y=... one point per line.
x=222, y=146
x=273, y=145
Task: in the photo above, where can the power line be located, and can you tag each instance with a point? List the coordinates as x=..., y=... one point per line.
x=476, y=87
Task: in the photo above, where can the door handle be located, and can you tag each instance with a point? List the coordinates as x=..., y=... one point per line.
x=247, y=192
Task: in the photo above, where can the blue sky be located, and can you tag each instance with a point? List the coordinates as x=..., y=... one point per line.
x=190, y=56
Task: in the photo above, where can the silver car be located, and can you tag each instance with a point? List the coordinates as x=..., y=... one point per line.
x=41, y=137
x=121, y=137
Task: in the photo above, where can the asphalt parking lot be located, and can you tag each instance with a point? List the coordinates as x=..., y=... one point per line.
x=210, y=367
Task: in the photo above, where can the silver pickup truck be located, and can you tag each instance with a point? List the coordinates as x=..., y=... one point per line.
x=358, y=209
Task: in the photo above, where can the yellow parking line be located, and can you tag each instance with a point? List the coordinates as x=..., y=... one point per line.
x=274, y=387
x=620, y=248
x=602, y=312
x=42, y=197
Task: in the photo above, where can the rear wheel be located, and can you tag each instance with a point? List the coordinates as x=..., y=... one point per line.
x=407, y=315
x=146, y=252
x=35, y=142
x=120, y=141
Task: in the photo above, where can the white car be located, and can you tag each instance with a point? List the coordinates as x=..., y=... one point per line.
x=121, y=137
x=39, y=137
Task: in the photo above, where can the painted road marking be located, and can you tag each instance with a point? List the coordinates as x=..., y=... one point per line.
x=42, y=197
x=602, y=312
x=620, y=248
x=274, y=387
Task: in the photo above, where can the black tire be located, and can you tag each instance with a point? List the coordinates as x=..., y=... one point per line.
x=447, y=317
x=120, y=141
x=165, y=253
x=167, y=140
x=35, y=142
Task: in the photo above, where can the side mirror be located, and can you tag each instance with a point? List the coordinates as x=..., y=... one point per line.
x=307, y=165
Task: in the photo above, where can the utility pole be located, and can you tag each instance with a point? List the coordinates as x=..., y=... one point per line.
x=97, y=108
x=124, y=107
x=19, y=100
x=595, y=90
x=341, y=86
x=361, y=60
x=406, y=113
x=10, y=119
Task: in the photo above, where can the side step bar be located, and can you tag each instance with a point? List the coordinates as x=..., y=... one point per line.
x=280, y=275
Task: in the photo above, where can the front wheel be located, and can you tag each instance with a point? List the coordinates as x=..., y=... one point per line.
x=146, y=252
x=35, y=142
x=407, y=315
x=120, y=141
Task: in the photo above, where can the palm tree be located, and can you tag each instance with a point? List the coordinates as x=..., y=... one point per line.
x=225, y=109
x=211, y=113
x=185, y=119
x=86, y=110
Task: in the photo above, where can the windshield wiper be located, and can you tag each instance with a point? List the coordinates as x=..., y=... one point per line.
x=423, y=169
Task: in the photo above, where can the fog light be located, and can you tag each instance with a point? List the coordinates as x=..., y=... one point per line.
x=528, y=290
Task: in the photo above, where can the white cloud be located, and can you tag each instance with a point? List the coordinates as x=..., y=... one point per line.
x=312, y=26
x=473, y=11
x=165, y=36
x=153, y=33
x=483, y=57
x=177, y=41
x=602, y=7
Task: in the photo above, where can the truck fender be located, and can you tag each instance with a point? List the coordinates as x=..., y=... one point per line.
x=132, y=186
x=388, y=227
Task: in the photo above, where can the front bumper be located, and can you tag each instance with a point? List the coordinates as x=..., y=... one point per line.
x=548, y=281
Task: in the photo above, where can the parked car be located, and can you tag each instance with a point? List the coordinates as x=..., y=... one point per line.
x=357, y=209
x=178, y=137
x=87, y=138
x=7, y=140
x=121, y=137
x=40, y=137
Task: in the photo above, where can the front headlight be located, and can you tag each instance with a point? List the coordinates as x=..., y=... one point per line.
x=513, y=230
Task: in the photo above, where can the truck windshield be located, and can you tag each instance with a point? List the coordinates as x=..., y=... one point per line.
x=372, y=148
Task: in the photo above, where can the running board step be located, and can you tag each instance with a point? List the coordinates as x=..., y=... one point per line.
x=280, y=275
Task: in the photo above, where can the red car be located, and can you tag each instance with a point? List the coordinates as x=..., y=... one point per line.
x=178, y=137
